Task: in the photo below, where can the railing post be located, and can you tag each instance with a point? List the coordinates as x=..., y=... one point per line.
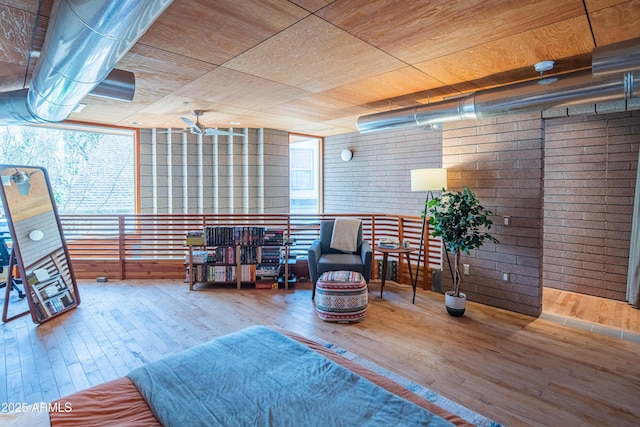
x=121, y=247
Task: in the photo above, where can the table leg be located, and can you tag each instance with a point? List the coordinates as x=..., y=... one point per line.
x=384, y=272
x=411, y=276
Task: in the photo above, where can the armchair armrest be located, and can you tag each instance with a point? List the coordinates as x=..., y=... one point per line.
x=313, y=255
x=366, y=254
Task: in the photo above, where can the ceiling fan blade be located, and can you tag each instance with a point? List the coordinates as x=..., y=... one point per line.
x=194, y=126
x=187, y=121
x=211, y=131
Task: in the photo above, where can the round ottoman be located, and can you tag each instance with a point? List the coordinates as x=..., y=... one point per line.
x=341, y=296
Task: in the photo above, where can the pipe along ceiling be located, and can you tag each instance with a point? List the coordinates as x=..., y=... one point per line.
x=615, y=75
x=84, y=42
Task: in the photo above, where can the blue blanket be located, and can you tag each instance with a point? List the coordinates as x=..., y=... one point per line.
x=258, y=376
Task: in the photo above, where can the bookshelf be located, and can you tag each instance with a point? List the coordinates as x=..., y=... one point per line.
x=50, y=295
x=237, y=255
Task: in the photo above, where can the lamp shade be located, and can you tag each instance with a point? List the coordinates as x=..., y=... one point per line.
x=428, y=179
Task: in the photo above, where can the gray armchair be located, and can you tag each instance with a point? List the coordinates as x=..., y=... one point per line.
x=322, y=258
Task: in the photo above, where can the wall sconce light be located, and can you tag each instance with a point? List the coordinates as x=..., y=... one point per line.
x=346, y=155
x=22, y=180
x=36, y=235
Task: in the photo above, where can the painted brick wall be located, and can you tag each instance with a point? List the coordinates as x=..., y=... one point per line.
x=378, y=178
x=590, y=178
x=501, y=160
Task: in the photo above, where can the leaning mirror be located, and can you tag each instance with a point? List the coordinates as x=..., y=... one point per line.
x=38, y=243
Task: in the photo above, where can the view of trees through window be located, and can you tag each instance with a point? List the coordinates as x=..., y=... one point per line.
x=90, y=171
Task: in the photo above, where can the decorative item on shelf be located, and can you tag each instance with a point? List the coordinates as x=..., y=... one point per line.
x=460, y=219
x=426, y=180
x=388, y=243
x=195, y=238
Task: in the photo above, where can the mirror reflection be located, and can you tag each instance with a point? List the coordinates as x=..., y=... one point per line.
x=37, y=241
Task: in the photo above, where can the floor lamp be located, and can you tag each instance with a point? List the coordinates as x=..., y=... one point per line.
x=428, y=180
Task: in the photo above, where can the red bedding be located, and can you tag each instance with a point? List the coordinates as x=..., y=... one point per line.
x=118, y=402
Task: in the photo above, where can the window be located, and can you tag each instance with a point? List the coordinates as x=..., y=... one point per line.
x=91, y=169
x=304, y=174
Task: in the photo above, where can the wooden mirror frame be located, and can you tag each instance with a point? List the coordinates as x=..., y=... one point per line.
x=39, y=247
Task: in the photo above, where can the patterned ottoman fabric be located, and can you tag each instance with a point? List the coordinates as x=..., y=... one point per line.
x=341, y=296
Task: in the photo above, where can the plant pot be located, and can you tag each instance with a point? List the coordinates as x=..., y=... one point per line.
x=455, y=305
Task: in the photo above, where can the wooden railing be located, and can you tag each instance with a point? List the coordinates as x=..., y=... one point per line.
x=152, y=245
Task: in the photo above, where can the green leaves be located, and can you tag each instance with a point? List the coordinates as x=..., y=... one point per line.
x=461, y=221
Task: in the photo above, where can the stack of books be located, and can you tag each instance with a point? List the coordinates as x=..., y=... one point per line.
x=388, y=243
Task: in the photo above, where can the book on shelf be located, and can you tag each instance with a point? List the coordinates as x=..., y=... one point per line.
x=267, y=285
x=273, y=237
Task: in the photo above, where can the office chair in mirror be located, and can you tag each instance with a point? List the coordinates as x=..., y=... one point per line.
x=6, y=264
x=38, y=247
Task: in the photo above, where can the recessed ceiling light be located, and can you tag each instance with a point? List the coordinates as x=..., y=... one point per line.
x=234, y=123
x=135, y=123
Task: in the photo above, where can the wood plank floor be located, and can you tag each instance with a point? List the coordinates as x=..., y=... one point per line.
x=515, y=369
x=617, y=318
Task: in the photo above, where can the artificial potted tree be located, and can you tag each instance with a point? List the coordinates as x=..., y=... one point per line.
x=461, y=221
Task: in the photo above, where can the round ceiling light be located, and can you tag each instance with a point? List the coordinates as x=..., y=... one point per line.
x=543, y=66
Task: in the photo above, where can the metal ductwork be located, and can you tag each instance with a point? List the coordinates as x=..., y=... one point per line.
x=84, y=42
x=615, y=75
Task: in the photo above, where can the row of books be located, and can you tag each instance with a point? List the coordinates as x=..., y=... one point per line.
x=227, y=255
x=224, y=273
x=234, y=235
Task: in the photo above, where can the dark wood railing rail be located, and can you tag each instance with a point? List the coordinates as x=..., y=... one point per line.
x=152, y=245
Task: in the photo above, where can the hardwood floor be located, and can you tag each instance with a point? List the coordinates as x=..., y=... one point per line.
x=616, y=318
x=515, y=369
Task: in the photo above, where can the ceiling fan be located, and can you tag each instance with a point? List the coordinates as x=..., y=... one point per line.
x=200, y=129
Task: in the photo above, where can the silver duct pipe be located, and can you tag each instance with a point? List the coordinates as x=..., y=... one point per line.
x=616, y=59
x=84, y=42
x=119, y=85
x=575, y=88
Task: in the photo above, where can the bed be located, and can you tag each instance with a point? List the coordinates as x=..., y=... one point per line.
x=256, y=376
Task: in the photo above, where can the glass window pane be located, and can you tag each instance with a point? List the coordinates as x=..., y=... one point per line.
x=91, y=171
x=304, y=174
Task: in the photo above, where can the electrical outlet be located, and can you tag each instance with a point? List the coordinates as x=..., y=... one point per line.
x=505, y=276
x=465, y=269
x=506, y=221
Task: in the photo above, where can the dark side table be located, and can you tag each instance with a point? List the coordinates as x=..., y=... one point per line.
x=385, y=254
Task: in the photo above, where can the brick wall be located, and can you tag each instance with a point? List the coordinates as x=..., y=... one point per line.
x=500, y=160
x=378, y=178
x=590, y=175
x=567, y=185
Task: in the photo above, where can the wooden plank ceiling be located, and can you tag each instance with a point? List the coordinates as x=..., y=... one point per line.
x=315, y=66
